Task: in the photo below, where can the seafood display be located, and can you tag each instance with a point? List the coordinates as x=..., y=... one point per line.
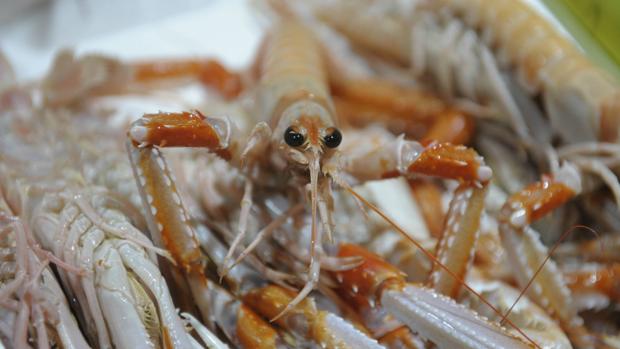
x=384, y=174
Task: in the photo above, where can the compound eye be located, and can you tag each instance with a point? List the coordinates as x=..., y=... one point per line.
x=333, y=138
x=293, y=138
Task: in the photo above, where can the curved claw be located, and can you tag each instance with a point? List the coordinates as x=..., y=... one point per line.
x=451, y=161
x=246, y=204
x=186, y=129
x=397, y=156
x=530, y=257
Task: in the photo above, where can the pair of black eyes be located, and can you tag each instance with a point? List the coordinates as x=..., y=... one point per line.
x=296, y=139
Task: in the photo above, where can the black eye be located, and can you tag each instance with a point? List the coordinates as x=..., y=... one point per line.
x=293, y=138
x=333, y=138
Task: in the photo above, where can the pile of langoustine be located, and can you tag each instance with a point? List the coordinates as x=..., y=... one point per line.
x=258, y=222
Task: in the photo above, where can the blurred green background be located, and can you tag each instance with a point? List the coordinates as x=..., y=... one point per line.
x=595, y=24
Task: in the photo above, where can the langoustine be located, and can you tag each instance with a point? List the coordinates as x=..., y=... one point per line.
x=196, y=261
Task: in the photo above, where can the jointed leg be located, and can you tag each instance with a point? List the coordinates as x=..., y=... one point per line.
x=167, y=218
x=326, y=207
x=255, y=147
x=400, y=157
x=313, y=276
x=315, y=250
x=185, y=129
x=533, y=269
x=246, y=204
x=207, y=71
x=266, y=231
x=444, y=160
x=460, y=234
x=74, y=78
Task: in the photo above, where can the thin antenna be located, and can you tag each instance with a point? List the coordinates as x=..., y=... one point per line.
x=529, y=283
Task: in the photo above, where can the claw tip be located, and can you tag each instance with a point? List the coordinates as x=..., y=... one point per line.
x=484, y=173
x=138, y=133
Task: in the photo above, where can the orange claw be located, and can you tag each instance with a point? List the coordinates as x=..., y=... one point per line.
x=209, y=72
x=540, y=198
x=528, y=256
x=365, y=282
x=186, y=129
x=451, y=161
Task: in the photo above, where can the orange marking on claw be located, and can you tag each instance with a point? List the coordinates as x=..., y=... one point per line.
x=253, y=331
x=448, y=161
x=187, y=129
x=369, y=279
x=542, y=197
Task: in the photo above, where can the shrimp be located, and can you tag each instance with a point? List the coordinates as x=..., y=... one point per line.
x=292, y=95
x=30, y=292
x=281, y=173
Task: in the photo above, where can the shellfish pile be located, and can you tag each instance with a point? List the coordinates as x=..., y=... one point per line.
x=398, y=174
